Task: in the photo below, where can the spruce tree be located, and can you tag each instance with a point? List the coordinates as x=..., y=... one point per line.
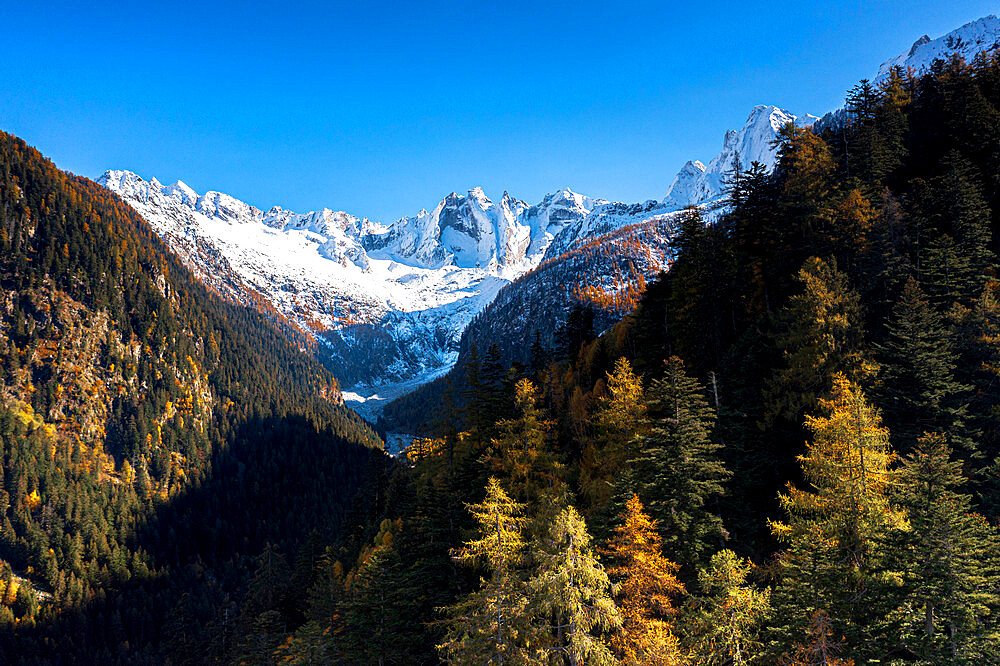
x=379, y=625
x=678, y=469
x=951, y=562
x=917, y=389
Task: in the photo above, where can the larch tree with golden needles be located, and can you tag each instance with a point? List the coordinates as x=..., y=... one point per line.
x=492, y=625
x=647, y=586
x=836, y=531
x=727, y=619
x=521, y=452
x=617, y=419
x=821, y=333
x=571, y=594
x=822, y=648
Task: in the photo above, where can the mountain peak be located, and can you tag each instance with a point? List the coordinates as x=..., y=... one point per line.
x=973, y=38
x=920, y=42
x=697, y=183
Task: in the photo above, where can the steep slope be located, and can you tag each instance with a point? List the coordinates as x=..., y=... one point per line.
x=606, y=274
x=128, y=392
x=968, y=41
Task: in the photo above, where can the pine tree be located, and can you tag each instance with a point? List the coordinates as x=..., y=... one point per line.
x=571, y=594
x=647, y=585
x=728, y=617
x=678, y=469
x=492, y=625
x=951, y=560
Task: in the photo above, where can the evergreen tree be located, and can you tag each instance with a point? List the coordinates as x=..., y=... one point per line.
x=976, y=332
x=575, y=331
x=379, y=626
x=952, y=563
x=678, y=469
x=918, y=389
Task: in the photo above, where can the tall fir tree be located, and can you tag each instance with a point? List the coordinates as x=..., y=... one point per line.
x=951, y=559
x=917, y=387
x=678, y=468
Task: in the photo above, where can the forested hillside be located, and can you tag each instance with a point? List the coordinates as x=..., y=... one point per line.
x=158, y=446
x=787, y=454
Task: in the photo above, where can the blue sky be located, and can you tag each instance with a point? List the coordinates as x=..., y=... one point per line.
x=381, y=108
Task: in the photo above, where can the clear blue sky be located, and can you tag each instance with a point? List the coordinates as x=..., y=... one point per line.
x=382, y=108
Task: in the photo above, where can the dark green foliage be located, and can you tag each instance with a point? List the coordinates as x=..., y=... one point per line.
x=214, y=432
x=679, y=473
x=951, y=562
x=918, y=389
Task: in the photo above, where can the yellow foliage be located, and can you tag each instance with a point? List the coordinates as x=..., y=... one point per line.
x=647, y=581
x=422, y=448
x=32, y=500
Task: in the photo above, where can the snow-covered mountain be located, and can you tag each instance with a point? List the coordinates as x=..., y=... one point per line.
x=388, y=303
x=968, y=41
x=696, y=183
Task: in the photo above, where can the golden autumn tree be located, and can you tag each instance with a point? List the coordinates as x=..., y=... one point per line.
x=725, y=622
x=492, y=625
x=835, y=535
x=647, y=583
x=521, y=452
x=616, y=421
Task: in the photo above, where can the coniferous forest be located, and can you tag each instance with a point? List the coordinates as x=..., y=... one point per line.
x=788, y=453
